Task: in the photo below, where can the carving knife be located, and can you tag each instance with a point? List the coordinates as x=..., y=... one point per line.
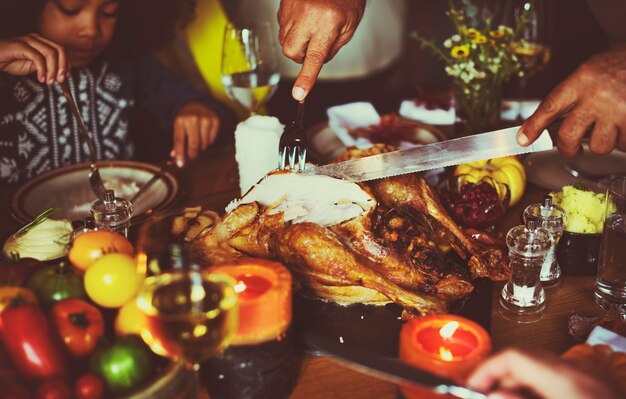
x=387, y=368
x=477, y=147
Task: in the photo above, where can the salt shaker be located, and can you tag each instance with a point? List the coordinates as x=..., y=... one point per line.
x=523, y=297
x=552, y=218
x=112, y=213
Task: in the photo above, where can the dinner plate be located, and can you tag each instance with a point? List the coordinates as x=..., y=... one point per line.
x=548, y=169
x=68, y=189
x=324, y=145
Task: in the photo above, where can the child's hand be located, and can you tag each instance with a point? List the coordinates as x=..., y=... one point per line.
x=197, y=125
x=34, y=53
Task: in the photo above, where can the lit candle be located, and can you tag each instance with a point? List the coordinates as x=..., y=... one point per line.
x=447, y=345
x=264, y=292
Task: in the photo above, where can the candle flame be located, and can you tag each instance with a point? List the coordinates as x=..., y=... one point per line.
x=445, y=353
x=240, y=287
x=447, y=331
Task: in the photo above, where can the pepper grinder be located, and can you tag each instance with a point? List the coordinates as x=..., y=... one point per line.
x=523, y=297
x=552, y=218
x=112, y=213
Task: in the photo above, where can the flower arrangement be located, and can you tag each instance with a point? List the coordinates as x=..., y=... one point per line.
x=479, y=57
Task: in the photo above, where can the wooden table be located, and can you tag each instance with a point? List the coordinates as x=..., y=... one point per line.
x=212, y=181
x=321, y=377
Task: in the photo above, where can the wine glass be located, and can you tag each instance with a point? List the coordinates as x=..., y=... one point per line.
x=191, y=315
x=531, y=48
x=249, y=63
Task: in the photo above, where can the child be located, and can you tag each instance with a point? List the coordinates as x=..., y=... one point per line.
x=101, y=48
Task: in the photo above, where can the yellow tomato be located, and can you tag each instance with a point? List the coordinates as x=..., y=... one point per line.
x=129, y=319
x=90, y=246
x=112, y=280
x=505, y=170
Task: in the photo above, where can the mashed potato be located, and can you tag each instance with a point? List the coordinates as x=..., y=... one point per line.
x=585, y=208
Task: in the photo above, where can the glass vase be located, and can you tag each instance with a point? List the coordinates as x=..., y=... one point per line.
x=477, y=107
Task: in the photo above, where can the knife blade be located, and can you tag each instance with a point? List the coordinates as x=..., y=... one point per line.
x=477, y=147
x=387, y=368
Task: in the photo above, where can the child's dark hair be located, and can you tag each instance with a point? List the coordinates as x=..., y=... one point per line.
x=143, y=25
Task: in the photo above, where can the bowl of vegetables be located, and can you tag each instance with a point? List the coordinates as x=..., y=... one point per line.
x=578, y=249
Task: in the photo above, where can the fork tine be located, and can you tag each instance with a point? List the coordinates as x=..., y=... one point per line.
x=301, y=158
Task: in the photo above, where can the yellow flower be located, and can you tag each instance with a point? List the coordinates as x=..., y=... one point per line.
x=472, y=33
x=498, y=33
x=480, y=39
x=460, y=51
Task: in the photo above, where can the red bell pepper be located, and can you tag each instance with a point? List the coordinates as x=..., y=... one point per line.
x=30, y=342
x=79, y=324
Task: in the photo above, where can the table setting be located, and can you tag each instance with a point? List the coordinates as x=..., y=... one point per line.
x=383, y=256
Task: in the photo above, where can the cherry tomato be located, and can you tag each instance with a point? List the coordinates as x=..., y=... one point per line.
x=54, y=389
x=112, y=280
x=79, y=324
x=92, y=245
x=88, y=386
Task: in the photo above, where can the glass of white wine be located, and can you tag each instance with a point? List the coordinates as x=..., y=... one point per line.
x=249, y=63
x=531, y=48
x=191, y=315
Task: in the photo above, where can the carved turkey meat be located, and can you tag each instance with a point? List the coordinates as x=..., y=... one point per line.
x=345, y=246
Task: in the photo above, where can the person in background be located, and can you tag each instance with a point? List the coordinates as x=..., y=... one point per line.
x=594, y=96
x=102, y=49
x=513, y=374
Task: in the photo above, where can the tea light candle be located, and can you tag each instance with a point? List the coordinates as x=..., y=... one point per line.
x=447, y=345
x=264, y=292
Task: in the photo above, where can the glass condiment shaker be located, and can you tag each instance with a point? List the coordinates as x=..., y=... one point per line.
x=112, y=213
x=552, y=218
x=523, y=297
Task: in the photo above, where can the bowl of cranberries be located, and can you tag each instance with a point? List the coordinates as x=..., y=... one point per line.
x=478, y=205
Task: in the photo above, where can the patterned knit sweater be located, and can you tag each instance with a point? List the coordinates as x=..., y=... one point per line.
x=39, y=133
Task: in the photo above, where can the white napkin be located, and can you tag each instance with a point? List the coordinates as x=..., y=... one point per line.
x=341, y=118
x=600, y=335
x=409, y=109
x=511, y=108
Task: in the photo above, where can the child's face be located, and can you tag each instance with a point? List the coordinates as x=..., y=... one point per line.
x=83, y=27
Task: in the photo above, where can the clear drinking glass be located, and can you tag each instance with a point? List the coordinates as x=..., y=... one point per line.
x=532, y=50
x=523, y=297
x=611, y=277
x=191, y=315
x=249, y=63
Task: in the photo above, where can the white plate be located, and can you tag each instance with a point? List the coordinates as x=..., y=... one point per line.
x=548, y=169
x=324, y=145
x=68, y=189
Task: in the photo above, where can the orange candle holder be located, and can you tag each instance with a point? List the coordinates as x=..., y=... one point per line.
x=448, y=345
x=265, y=299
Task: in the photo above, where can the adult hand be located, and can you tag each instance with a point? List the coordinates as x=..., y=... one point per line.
x=516, y=375
x=311, y=33
x=595, y=94
x=34, y=53
x=195, y=128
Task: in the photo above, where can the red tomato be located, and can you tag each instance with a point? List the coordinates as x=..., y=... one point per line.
x=90, y=246
x=88, y=386
x=31, y=343
x=79, y=324
x=54, y=389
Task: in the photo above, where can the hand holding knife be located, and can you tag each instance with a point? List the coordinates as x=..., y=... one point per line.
x=390, y=369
